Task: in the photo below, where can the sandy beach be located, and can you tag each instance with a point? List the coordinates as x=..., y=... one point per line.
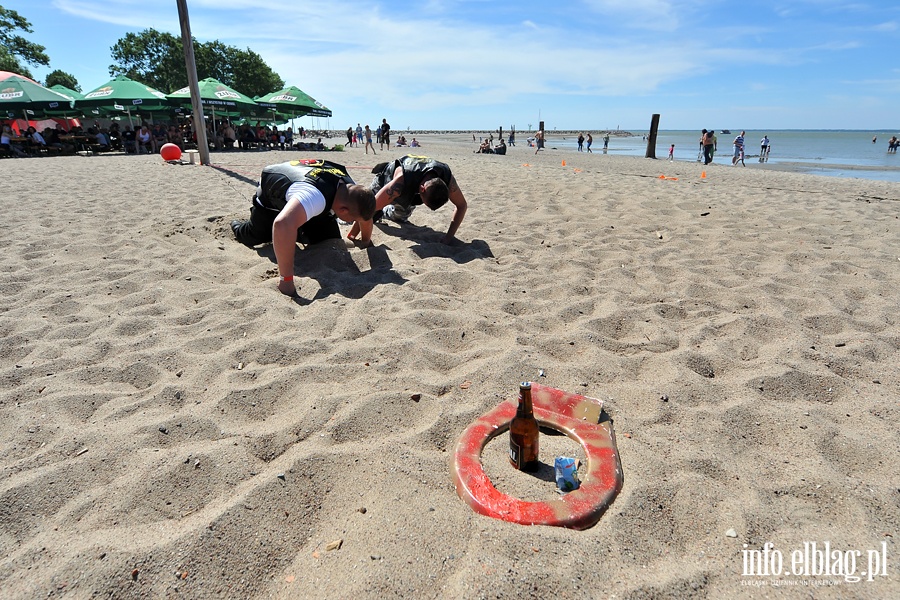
x=173, y=427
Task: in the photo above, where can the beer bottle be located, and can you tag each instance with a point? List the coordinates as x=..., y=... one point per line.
x=523, y=433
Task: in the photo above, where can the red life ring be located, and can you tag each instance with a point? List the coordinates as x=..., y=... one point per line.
x=559, y=410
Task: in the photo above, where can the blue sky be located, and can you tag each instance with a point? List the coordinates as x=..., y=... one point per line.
x=480, y=64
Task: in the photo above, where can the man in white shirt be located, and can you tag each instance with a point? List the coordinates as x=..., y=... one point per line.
x=300, y=201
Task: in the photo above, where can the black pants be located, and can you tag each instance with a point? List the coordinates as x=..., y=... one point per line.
x=258, y=230
x=707, y=154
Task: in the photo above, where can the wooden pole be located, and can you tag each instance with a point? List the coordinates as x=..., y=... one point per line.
x=188, y=43
x=651, y=140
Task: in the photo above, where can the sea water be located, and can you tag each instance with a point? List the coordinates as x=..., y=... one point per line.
x=838, y=153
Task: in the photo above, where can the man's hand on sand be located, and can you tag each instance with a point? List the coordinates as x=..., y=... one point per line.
x=358, y=242
x=287, y=288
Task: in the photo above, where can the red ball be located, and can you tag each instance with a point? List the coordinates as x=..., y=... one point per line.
x=170, y=152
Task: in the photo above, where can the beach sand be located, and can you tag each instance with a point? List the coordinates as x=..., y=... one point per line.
x=172, y=427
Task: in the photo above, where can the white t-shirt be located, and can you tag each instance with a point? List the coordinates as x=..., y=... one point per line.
x=309, y=197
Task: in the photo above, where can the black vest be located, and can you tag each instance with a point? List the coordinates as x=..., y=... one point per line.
x=415, y=168
x=326, y=176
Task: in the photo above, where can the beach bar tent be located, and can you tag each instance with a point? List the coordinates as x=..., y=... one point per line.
x=294, y=102
x=124, y=95
x=219, y=98
x=22, y=96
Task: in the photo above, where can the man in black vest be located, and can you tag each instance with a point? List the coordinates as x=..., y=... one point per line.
x=407, y=182
x=300, y=201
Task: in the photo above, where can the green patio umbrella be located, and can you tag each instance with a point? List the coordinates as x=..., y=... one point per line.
x=294, y=101
x=124, y=95
x=220, y=98
x=20, y=94
x=61, y=89
x=75, y=96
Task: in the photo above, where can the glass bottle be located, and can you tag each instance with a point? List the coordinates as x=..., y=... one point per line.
x=523, y=433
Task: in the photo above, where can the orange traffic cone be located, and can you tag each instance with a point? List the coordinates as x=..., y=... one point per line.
x=564, y=163
x=703, y=175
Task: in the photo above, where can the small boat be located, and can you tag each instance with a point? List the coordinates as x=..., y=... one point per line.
x=725, y=131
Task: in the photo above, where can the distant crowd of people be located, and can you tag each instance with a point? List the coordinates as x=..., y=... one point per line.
x=148, y=138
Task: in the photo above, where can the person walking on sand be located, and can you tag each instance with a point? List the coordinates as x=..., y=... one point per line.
x=369, y=144
x=405, y=183
x=672, y=152
x=581, y=142
x=589, y=140
x=301, y=202
x=539, y=140
x=764, y=148
x=738, y=153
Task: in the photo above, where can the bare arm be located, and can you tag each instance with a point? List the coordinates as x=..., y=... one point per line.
x=459, y=211
x=385, y=196
x=389, y=193
x=284, y=241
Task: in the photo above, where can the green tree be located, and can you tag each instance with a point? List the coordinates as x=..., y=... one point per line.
x=213, y=59
x=252, y=76
x=157, y=59
x=62, y=78
x=15, y=51
x=152, y=57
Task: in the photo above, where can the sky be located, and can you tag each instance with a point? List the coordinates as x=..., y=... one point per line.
x=575, y=64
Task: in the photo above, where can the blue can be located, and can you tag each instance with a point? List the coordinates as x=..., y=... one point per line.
x=566, y=473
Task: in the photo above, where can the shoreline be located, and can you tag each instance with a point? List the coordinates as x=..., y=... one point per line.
x=522, y=150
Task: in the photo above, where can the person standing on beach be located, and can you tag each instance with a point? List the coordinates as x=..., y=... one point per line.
x=539, y=140
x=764, y=148
x=359, y=135
x=300, y=201
x=590, y=140
x=672, y=152
x=606, y=141
x=700, y=154
x=738, y=153
x=407, y=182
x=708, y=146
x=369, y=143
x=581, y=142
x=385, y=134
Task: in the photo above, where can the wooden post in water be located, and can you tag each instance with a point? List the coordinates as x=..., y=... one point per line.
x=651, y=140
